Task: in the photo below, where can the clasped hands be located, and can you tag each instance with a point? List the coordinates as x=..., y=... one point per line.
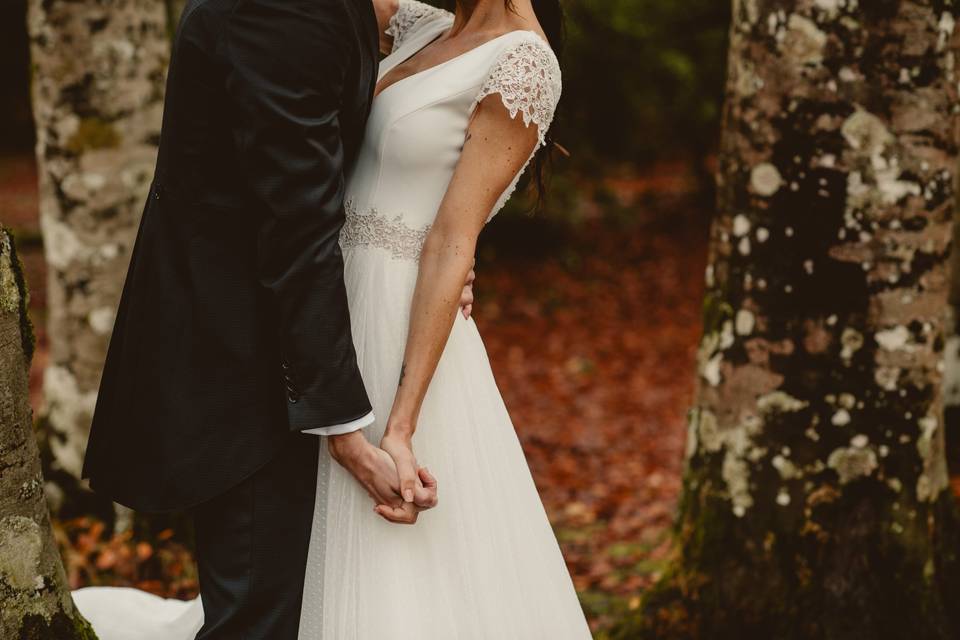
x=399, y=487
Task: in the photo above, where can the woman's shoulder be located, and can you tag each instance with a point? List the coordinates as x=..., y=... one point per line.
x=529, y=45
x=410, y=16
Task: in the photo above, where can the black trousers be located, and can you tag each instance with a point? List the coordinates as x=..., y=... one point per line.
x=252, y=546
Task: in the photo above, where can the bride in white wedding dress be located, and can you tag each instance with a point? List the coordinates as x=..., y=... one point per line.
x=484, y=564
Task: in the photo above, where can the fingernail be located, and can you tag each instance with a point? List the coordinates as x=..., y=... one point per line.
x=408, y=495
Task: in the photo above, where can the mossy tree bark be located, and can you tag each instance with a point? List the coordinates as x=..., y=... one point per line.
x=35, y=602
x=815, y=499
x=98, y=76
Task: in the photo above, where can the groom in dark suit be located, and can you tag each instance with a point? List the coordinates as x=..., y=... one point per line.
x=233, y=334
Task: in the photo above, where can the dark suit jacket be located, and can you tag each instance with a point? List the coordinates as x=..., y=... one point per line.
x=233, y=326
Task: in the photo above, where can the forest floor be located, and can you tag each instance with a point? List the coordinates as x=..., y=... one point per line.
x=591, y=328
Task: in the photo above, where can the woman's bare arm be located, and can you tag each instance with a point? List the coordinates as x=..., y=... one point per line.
x=496, y=148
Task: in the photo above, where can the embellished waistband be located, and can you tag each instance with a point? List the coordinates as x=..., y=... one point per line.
x=370, y=228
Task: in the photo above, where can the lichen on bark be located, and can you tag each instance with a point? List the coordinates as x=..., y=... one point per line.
x=35, y=600
x=814, y=500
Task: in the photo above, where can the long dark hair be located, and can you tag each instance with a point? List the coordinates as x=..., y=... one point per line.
x=550, y=15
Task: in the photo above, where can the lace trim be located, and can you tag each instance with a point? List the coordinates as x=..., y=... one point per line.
x=372, y=229
x=527, y=77
x=408, y=14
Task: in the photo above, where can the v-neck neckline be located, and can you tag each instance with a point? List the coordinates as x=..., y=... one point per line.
x=379, y=92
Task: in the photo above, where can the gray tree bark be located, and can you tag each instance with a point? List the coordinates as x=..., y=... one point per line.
x=35, y=602
x=815, y=499
x=98, y=78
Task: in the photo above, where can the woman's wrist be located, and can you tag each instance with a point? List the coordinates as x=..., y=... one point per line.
x=400, y=427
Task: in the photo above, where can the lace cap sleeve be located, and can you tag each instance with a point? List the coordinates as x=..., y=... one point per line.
x=409, y=13
x=526, y=75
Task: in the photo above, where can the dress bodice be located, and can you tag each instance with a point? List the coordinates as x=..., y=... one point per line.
x=418, y=124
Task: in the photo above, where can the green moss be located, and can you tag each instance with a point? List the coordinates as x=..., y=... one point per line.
x=82, y=628
x=93, y=133
x=756, y=577
x=662, y=607
x=60, y=627
x=603, y=607
x=716, y=310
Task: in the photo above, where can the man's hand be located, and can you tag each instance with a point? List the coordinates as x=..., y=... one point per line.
x=373, y=469
x=376, y=471
x=425, y=498
x=466, y=298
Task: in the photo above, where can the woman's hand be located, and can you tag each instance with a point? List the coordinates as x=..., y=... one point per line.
x=466, y=297
x=398, y=443
x=407, y=512
x=376, y=471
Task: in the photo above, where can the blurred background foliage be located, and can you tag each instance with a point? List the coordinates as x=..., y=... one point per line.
x=643, y=80
x=642, y=92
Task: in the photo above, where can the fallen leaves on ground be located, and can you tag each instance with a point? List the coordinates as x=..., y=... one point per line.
x=162, y=565
x=593, y=347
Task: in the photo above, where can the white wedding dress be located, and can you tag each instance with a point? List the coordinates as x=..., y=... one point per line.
x=484, y=564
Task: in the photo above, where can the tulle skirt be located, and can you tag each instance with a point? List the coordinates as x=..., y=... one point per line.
x=484, y=564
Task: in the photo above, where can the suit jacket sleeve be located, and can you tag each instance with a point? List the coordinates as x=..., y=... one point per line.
x=286, y=72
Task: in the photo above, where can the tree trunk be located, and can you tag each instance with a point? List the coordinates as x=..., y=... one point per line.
x=35, y=602
x=951, y=357
x=97, y=94
x=815, y=501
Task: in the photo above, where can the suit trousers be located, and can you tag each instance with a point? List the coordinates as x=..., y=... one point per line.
x=251, y=544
